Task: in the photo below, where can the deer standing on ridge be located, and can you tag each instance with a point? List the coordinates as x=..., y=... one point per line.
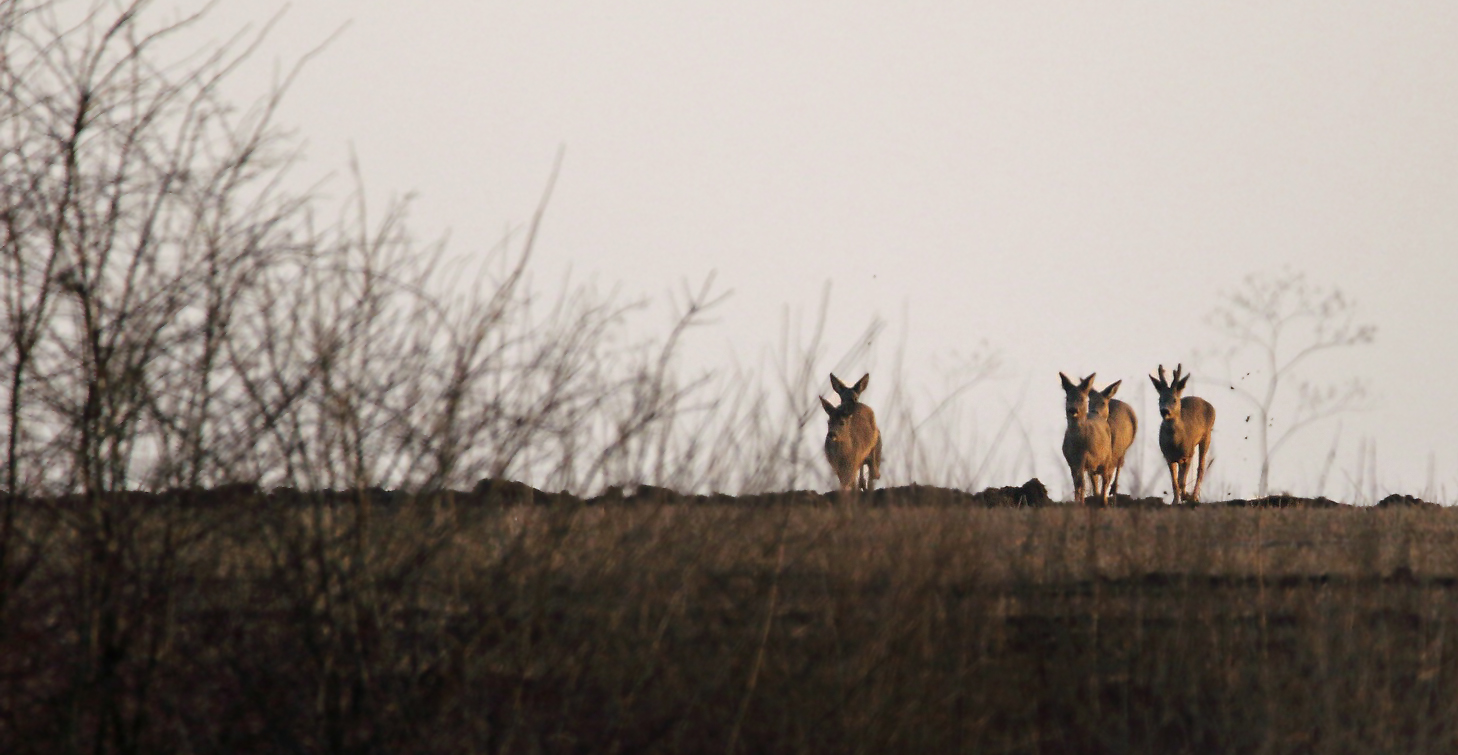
x=1123, y=426
x=852, y=442
x=1186, y=428
x=1086, y=443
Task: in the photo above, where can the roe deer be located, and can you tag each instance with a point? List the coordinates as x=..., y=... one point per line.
x=852, y=441
x=1086, y=442
x=1186, y=427
x=1123, y=426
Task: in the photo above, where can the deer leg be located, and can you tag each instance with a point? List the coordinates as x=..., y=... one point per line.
x=1184, y=479
x=1104, y=483
x=1077, y=485
x=1174, y=483
x=847, y=475
x=876, y=461
x=1114, y=487
x=1204, y=462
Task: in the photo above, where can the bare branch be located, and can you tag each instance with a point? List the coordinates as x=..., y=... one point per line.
x=1281, y=321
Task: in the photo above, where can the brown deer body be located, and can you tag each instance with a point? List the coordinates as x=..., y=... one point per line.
x=1086, y=443
x=852, y=441
x=1185, y=429
x=1123, y=426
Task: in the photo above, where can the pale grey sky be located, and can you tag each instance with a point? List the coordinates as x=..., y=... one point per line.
x=1074, y=183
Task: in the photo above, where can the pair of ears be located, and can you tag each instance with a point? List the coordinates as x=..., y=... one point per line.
x=1086, y=385
x=848, y=394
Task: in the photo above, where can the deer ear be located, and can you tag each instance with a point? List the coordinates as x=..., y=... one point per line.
x=1087, y=382
x=828, y=408
x=863, y=382
x=1179, y=385
x=836, y=384
x=1067, y=384
x=1111, y=389
x=1159, y=385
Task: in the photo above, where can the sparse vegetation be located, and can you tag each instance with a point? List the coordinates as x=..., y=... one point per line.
x=652, y=624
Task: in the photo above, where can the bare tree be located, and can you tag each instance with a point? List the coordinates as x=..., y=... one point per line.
x=1277, y=324
x=174, y=317
x=137, y=204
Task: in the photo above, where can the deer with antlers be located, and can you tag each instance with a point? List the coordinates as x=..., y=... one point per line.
x=1186, y=426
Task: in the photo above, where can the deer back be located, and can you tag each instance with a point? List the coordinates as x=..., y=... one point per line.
x=1123, y=427
x=1198, y=417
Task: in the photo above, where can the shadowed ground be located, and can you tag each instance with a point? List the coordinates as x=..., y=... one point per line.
x=913, y=619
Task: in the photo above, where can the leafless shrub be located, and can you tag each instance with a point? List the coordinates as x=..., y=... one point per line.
x=1276, y=323
x=175, y=319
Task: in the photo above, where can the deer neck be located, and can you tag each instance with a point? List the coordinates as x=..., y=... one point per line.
x=1176, y=425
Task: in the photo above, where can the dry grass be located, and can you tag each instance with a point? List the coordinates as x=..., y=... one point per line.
x=717, y=627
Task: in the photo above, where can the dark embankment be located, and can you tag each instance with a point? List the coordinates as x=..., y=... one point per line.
x=507, y=619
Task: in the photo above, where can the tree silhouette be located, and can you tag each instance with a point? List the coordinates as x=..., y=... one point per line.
x=1281, y=321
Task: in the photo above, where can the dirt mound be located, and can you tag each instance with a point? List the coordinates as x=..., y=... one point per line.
x=510, y=493
x=1404, y=500
x=1283, y=501
x=490, y=493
